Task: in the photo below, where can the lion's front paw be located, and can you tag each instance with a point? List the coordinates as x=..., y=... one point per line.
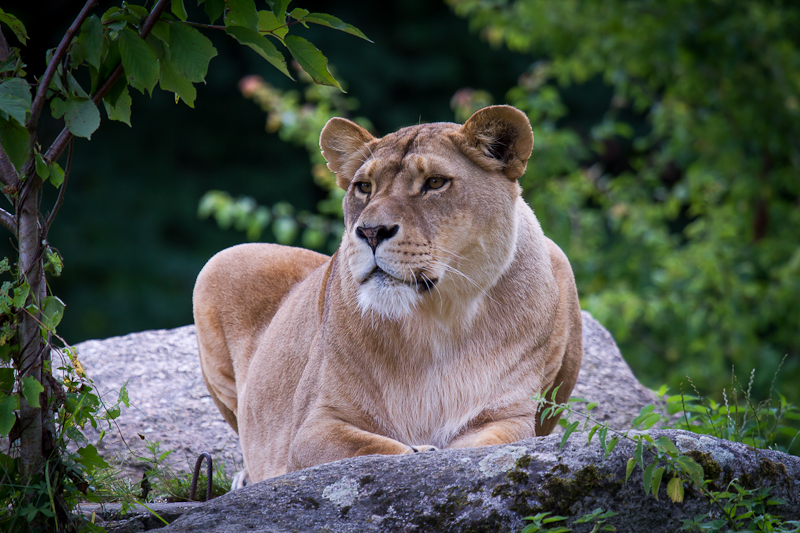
x=239, y=479
x=424, y=448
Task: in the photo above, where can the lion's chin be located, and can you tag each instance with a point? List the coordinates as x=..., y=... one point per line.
x=388, y=297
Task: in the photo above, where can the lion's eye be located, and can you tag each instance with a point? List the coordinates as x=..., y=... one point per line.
x=435, y=182
x=364, y=186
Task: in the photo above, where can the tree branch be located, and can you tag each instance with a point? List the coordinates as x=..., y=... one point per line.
x=8, y=221
x=57, y=148
x=61, y=51
x=4, y=51
x=60, y=199
x=8, y=174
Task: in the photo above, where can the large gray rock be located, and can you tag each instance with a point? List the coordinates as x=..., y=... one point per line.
x=480, y=489
x=171, y=405
x=489, y=489
x=169, y=402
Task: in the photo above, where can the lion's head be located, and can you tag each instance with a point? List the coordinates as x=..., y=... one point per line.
x=429, y=212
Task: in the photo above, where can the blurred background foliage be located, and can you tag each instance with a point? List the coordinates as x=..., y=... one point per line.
x=666, y=165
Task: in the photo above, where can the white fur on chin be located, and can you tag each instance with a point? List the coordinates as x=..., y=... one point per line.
x=390, y=299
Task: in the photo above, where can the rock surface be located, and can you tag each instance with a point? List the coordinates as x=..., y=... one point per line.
x=480, y=489
x=171, y=405
x=488, y=489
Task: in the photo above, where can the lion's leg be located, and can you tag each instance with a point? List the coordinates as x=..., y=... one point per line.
x=490, y=433
x=236, y=295
x=568, y=353
x=565, y=379
x=322, y=439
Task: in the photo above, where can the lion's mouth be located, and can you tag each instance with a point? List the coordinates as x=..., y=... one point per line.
x=420, y=282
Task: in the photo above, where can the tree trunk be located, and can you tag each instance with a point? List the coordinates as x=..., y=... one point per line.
x=31, y=343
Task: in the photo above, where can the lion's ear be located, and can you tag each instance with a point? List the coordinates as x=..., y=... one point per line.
x=502, y=133
x=343, y=141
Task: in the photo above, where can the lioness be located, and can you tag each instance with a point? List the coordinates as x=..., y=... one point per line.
x=443, y=309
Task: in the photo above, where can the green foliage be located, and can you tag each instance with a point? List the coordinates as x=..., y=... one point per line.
x=666, y=162
x=298, y=118
x=539, y=521
x=742, y=509
x=597, y=517
x=772, y=423
x=162, y=480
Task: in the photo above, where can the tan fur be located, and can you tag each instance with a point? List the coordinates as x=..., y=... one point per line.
x=313, y=359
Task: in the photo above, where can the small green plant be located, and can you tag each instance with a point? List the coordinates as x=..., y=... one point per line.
x=736, y=508
x=747, y=509
x=597, y=517
x=162, y=481
x=539, y=524
x=167, y=483
x=768, y=424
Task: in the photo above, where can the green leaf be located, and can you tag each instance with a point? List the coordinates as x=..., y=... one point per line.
x=53, y=261
x=31, y=389
x=592, y=432
x=17, y=87
x=279, y=8
x=656, y=481
x=52, y=312
x=21, y=295
x=41, y=167
x=172, y=81
x=8, y=404
x=161, y=31
x=16, y=26
x=139, y=61
x=120, y=109
x=178, y=10
x=312, y=60
x=123, y=395
x=14, y=107
x=567, y=433
x=90, y=41
x=90, y=459
x=214, y=10
x=16, y=142
x=649, y=420
x=268, y=23
x=82, y=117
x=242, y=13
x=554, y=392
x=668, y=446
x=261, y=45
x=332, y=22
x=591, y=406
x=675, y=489
x=7, y=380
x=638, y=453
x=190, y=52
x=611, y=445
x=57, y=108
x=298, y=13
x=690, y=467
x=648, y=477
x=629, y=468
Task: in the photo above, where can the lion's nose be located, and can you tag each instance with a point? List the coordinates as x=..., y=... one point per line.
x=376, y=234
